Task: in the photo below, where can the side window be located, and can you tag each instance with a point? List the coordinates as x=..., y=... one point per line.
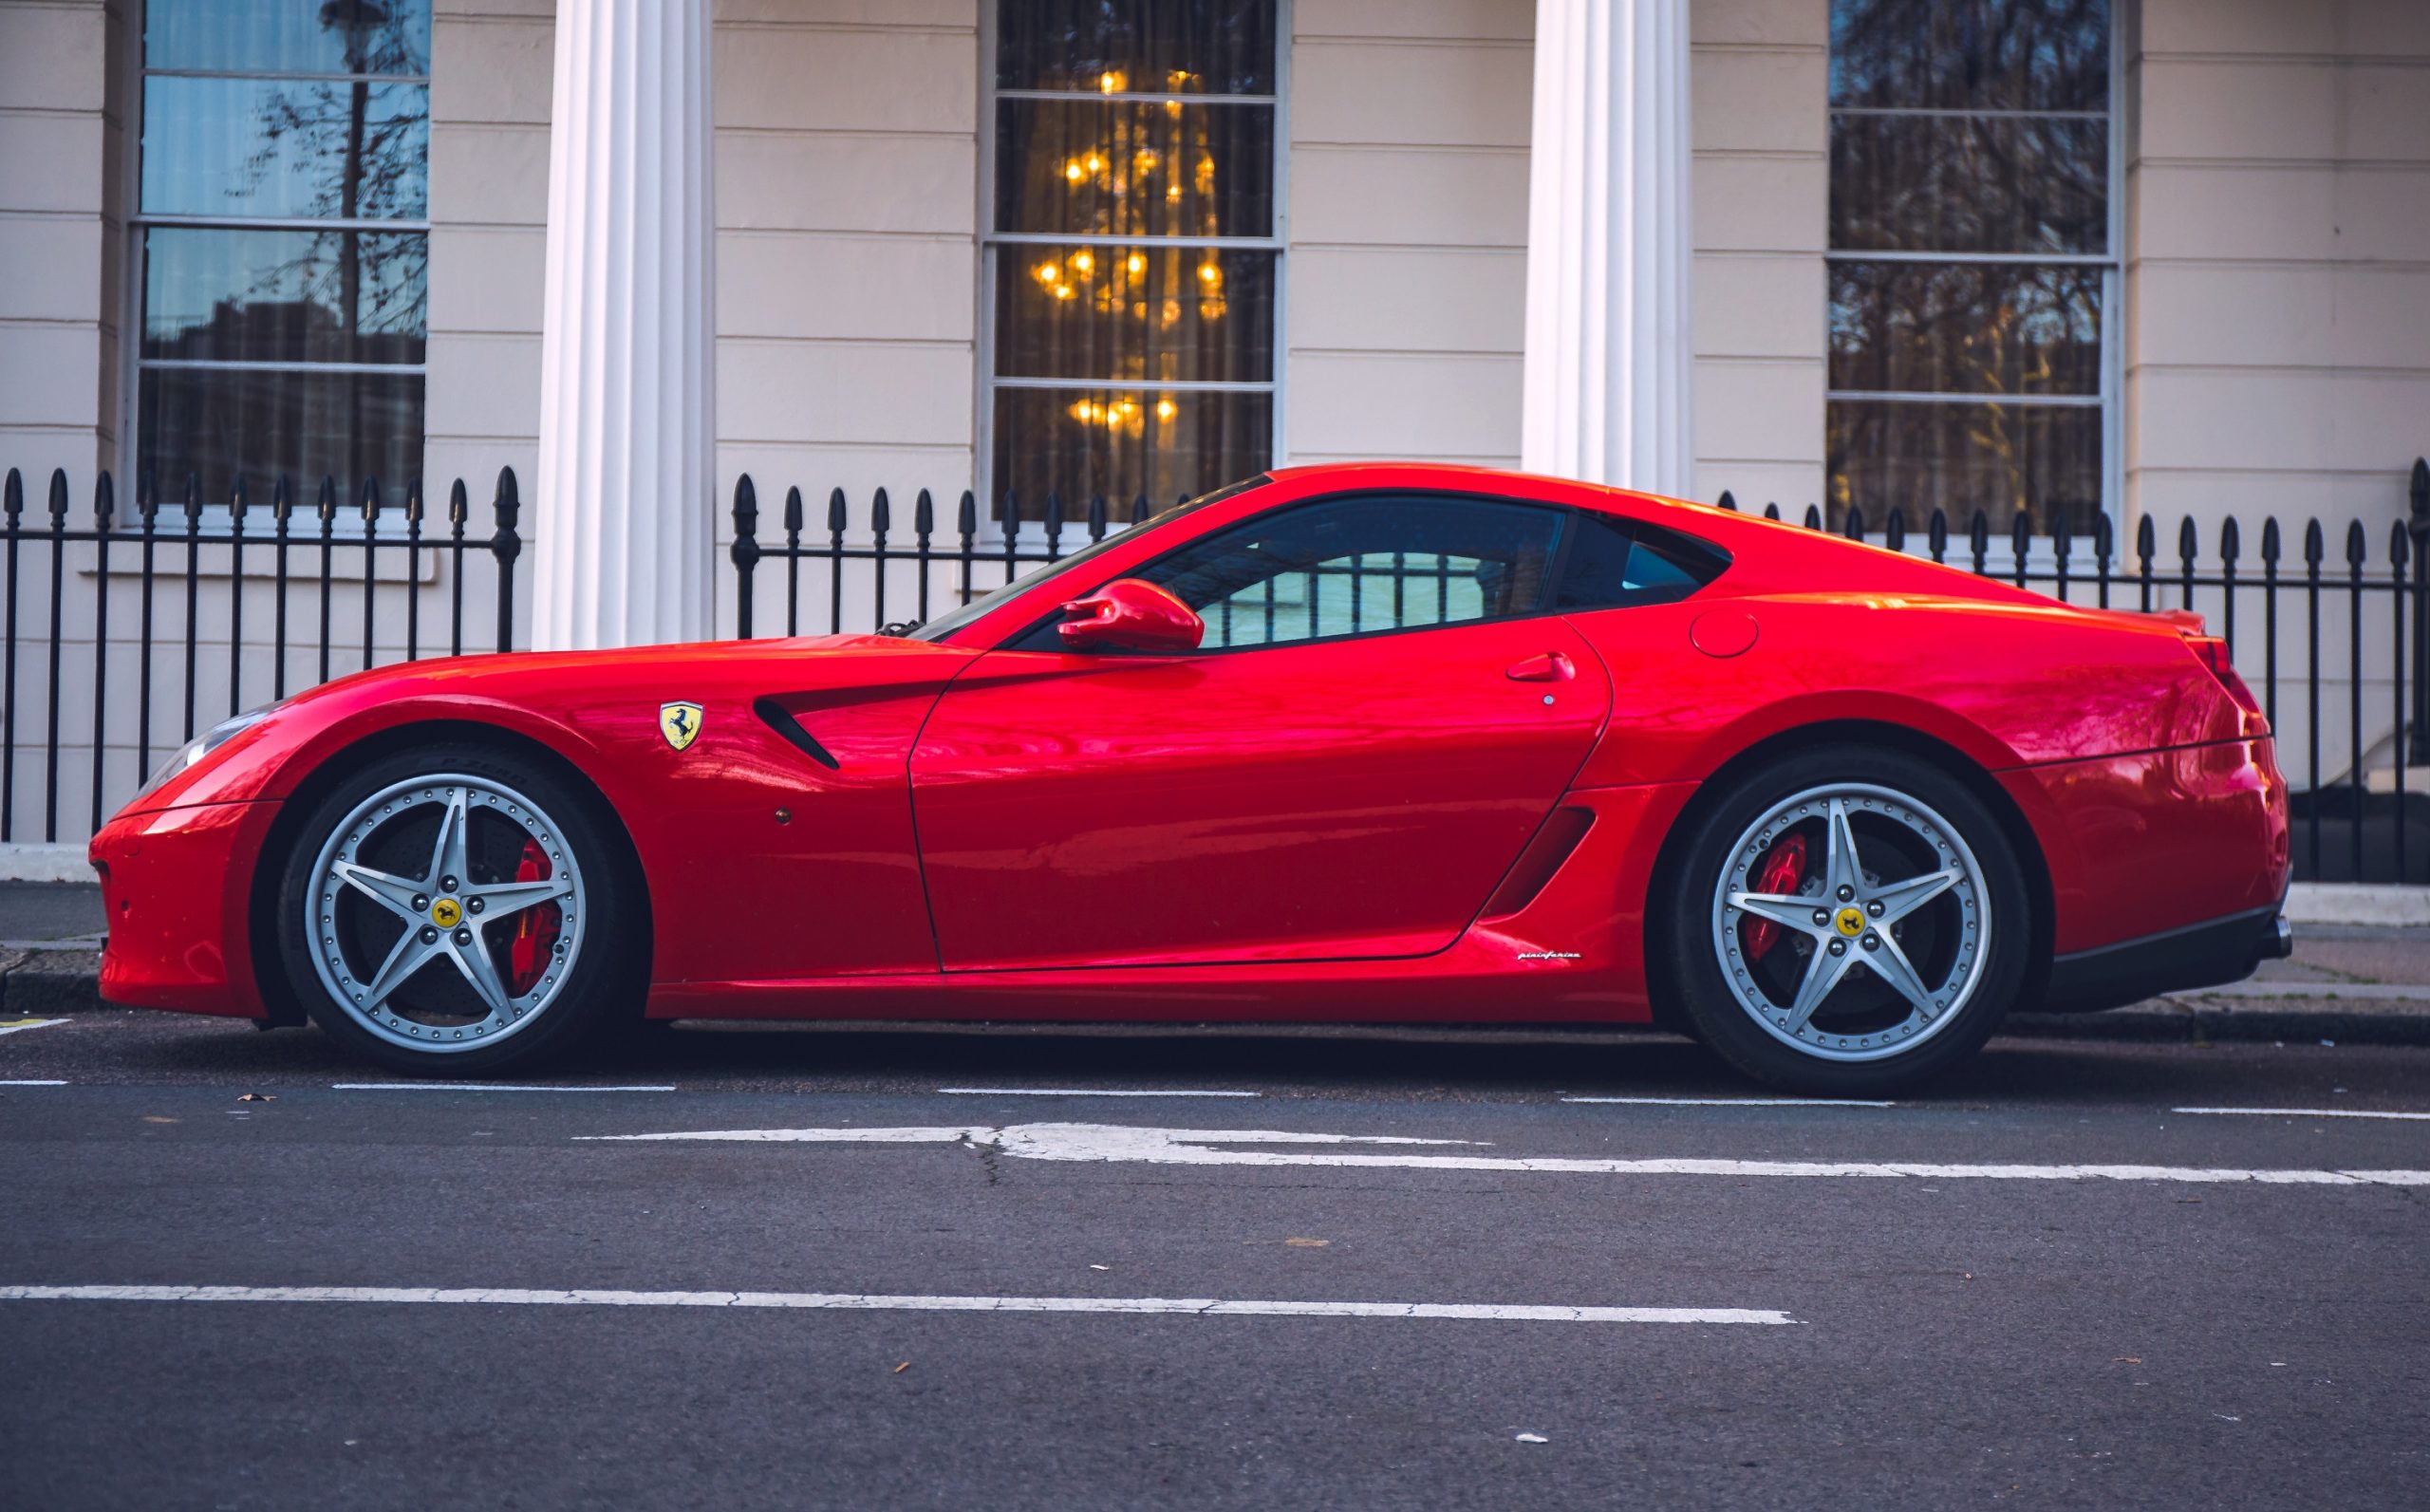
x=1612, y=564
x=1363, y=565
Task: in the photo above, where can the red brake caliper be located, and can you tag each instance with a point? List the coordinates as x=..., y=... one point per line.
x=536, y=932
x=1781, y=869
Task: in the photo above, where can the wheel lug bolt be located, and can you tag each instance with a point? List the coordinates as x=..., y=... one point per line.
x=1821, y=916
x=421, y=902
x=447, y=883
x=429, y=936
x=463, y=937
x=1846, y=893
x=474, y=906
x=1838, y=947
x=1872, y=940
x=1873, y=908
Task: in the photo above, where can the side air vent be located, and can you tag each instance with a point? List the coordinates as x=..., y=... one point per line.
x=776, y=716
x=1537, y=864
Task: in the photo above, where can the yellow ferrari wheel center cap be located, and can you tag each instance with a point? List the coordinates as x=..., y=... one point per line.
x=446, y=912
x=1850, y=922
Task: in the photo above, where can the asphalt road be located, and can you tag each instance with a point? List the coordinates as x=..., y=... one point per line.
x=915, y=1296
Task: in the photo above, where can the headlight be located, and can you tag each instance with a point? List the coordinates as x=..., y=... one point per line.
x=189, y=755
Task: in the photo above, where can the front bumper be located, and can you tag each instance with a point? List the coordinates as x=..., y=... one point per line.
x=176, y=882
x=2200, y=954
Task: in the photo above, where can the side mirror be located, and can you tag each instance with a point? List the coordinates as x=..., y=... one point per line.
x=1130, y=615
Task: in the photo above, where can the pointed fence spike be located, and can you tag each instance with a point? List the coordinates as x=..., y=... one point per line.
x=966, y=519
x=1728, y=501
x=835, y=517
x=238, y=501
x=459, y=504
x=104, y=500
x=793, y=510
x=881, y=514
x=923, y=514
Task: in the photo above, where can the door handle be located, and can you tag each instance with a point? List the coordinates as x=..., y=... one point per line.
x=1550, y=668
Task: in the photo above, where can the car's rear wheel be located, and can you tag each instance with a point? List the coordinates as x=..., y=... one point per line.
x=1854, y=919
x=455, y=911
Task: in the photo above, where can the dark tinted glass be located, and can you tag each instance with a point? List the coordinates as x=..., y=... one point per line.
x=1144, y=312
x=2000, y=458
x=1075, y=442
x=1358, y=565
x=248, y=36
x=1609, y=564
x=1139, y=46
x=286, y=149
x=283, y=295
x=1965, y=328
x=216, y=423
x=1950, y=183
x=1970, y=54
x=1131, y=168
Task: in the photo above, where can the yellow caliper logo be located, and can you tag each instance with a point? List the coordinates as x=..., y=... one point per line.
x=1850, y=922
x=680, y=723
x=445, y=913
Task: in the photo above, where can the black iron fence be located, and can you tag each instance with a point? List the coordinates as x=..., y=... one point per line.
x=130, y=629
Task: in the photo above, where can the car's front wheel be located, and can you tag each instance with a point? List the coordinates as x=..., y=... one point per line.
x=1854, y=921
x=457, y=910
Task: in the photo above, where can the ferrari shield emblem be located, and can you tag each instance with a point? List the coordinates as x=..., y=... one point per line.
x=680, y=723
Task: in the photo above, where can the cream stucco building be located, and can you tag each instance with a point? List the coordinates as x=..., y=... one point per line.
x=2172, y=256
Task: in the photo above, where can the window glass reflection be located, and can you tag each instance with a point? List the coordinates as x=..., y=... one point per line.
x=278, y=36
x=256, y=295
x=1120, y=442
x=285, y=150
x=1141, y=47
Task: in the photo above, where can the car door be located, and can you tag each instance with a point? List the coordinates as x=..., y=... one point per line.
x=1381, y=714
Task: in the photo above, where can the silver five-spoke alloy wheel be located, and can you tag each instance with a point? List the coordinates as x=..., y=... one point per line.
x=445, y=913
x=1851, y=922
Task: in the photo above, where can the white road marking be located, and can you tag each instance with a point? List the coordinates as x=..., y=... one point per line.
x=2302, y=1112
x=477, y=1086
x=1738, y=1102
x=45, y=1083
x=860, y=1301
x=1201, y=1147
x=18, y=1026
x=1086, y=1092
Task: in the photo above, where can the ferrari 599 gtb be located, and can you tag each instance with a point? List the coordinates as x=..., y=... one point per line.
x=1371, y=742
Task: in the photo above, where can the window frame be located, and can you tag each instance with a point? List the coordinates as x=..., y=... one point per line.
x=2110, y=399
x=1546, y=606
x=216, y=515
x=991, y=244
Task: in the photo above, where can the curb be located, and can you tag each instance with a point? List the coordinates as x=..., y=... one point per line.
x=66, y=982
x=50, y=982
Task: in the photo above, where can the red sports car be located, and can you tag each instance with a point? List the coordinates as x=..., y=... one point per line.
x=1372, y=742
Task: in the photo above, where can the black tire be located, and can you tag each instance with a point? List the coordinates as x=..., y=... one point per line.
x=1693, y=942
x=605, y=977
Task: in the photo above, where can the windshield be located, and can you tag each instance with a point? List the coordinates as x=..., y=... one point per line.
x=977, y=609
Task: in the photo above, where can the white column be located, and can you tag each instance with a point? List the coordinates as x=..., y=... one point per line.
x=623, y=544
x=1609, y=363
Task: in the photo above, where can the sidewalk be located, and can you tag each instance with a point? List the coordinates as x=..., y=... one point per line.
x=2351, y=984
